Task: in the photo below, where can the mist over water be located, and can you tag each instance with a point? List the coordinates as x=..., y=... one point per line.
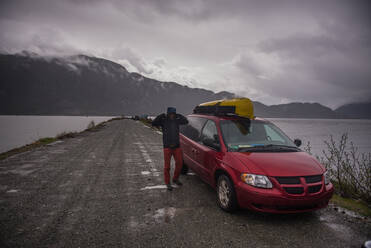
x=17, y=131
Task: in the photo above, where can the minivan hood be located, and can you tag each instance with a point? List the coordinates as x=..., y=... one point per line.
x=280, y=163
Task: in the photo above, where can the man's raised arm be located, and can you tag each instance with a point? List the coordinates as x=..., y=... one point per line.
x=181, y=119
x=158, y=121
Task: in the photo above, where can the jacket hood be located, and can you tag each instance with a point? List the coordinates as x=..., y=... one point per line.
x=280, y=163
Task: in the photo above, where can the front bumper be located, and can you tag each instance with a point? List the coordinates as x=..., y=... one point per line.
x=275, y=201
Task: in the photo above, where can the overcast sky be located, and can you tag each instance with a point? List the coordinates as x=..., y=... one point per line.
x=271, y=51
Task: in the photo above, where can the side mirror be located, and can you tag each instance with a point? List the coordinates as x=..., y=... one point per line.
x=211, y=143
x=297, y=142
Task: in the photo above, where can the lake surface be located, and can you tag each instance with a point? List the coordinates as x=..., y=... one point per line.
x=317, y=130
x=20, y=130
x=16, y=131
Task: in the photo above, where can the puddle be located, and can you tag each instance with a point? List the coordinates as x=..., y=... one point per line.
x=340, y=230
x=12, y=191
x=347, y=212
x=164, y=214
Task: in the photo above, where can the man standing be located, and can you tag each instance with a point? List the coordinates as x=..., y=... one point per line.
x=170, y=135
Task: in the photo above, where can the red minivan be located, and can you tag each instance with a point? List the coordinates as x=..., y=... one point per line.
x=253, y=164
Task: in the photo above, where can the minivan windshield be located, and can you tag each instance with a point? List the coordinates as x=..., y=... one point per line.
x=255, y=136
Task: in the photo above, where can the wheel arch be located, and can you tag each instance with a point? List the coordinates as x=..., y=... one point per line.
x=223, y=170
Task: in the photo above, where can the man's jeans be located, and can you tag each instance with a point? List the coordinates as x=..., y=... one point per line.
x=177, y=153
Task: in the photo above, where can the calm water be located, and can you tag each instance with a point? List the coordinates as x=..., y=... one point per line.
x=317, y=130
x=16, y=131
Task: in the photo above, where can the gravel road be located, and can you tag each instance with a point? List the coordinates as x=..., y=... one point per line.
x=105, y=189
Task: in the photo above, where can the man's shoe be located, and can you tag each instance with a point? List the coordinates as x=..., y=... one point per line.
x=177, y=182
x=169, y=187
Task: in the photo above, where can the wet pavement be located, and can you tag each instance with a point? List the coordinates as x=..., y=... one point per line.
x=105, y=189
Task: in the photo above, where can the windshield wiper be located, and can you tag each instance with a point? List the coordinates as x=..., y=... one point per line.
x=262, y=147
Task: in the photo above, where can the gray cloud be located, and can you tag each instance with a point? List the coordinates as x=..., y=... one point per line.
x=272, y=51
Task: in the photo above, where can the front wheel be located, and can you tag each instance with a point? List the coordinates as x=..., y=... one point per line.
x=226, y=195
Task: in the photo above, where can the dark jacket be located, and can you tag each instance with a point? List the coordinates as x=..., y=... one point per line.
x=170, y=129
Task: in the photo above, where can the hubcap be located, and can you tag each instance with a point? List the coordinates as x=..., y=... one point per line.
x=223, y=193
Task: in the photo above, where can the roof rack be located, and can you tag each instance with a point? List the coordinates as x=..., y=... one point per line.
x=215, y=110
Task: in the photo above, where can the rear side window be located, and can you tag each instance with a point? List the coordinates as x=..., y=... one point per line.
x=193, y=129
x=210, y=131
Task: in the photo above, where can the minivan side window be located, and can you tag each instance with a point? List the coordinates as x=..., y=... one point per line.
x=210, y=132
x=193, y=129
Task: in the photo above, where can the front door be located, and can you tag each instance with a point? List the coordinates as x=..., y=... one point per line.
x=208, y=150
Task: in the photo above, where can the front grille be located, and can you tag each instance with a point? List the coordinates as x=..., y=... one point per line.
x=294, y=190
x=288, y=180
x=314, y=189
x=313, y=179
x=312, y=184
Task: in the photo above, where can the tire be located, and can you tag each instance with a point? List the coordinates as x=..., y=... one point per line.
x=184, y=170
x=225, y=194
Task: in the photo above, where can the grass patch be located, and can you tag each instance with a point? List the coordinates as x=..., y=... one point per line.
x=38, y=143
x=357, y=206
x=47, y=140
x=66, y=135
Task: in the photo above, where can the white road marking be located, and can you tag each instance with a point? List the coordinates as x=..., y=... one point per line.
x=154, y=187
x=163, y=186
x=12, y=191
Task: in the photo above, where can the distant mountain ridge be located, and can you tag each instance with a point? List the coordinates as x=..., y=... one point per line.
x=356, y=110
x=84, y=85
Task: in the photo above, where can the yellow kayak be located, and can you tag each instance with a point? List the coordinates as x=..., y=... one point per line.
x=239, y=106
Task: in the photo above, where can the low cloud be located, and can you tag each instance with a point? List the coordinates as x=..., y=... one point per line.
x=124, y=53
x=271, y=51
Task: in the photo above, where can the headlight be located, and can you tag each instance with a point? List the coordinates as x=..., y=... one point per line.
x=259, y=181
x=327, y=178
